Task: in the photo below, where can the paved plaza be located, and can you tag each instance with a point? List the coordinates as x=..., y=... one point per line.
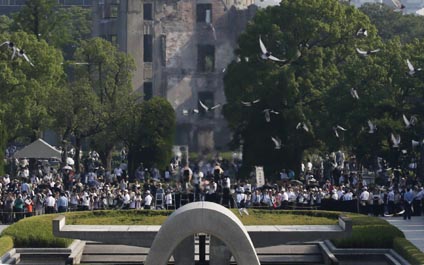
x=413, y=229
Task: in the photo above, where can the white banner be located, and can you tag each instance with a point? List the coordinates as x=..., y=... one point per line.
x=260, y=176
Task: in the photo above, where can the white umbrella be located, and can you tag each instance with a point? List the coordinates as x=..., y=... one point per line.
x=70, y=161
x=67, y=167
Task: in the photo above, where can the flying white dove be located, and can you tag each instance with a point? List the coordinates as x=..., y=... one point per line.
x=250, y=103
x=362, y=33
x=21, y=53
x=409, y=122
x=354, y=93
x=268, y=114
x=395, y=140
x=412, y=71
x=267, y=54
x=206, y=108
x=399, y=6
x=338, y=127
x=302, y=125
x=277, y=142
x=366, y=53
x=372, y=126
x=10, y=45
x=416, y=143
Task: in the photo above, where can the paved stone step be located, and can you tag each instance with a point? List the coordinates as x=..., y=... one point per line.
x=291, y=259
x=121, y=254
x=98, y=249
x=113, y=259
x=290, y=249
x=267, y=259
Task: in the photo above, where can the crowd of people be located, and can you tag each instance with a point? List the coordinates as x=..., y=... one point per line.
x=48, y=190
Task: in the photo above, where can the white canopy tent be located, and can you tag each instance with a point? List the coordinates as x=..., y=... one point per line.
x=38, y=149
x=420, y=12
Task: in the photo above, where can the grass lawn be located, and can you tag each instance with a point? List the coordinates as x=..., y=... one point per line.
x=255, y=217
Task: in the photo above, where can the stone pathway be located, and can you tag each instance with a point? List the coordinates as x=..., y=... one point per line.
x=413, y=229
x=2, y=227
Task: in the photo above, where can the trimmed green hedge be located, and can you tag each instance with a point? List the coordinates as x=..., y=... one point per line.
x=369, y=232
x=371, y=236
x=35, y=232
x=408, y=251
x=6, y=244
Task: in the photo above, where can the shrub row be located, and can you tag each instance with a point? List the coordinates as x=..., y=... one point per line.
x=35, y=232
x=6, y=244
x=408, y=251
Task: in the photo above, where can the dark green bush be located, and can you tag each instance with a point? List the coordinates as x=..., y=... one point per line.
x=370, y=236
x=313, y=213
x=408, y=251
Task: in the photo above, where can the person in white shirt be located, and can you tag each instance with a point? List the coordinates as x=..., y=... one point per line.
x=364, y=198
x=284, y=198
x=126, y=200
x=148, y=200
x=50, y=204
x=291, y=196
x=168, y=199
x=241, y=199
x=85, y=202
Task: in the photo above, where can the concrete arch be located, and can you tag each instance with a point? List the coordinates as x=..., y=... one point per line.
x=202, y=217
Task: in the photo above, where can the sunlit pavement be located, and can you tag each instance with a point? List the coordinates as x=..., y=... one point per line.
x=2, y=227
x=413, y=229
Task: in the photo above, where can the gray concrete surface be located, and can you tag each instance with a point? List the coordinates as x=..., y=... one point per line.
x=413, y=229
x=2, y=227
x=202, y=217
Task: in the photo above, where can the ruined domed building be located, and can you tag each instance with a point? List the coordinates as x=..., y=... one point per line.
x=181, y=49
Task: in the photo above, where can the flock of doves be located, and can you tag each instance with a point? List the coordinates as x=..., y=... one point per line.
x=16, y=51
x=267, y=55
x=354, y=93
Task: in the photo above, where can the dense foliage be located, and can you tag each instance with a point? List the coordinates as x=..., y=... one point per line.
x=85, y=98
x=318, y=41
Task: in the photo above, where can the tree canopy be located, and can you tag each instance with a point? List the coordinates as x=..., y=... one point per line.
x=318, y=41
x=149, y=133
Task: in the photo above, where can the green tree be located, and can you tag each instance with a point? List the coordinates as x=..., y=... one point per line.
x=38, y=17
x=64, y=28
x=108, y=73
x=394, y=24
x=150, y=129
x=26, y=89
x=5, y=23
x=317, y=39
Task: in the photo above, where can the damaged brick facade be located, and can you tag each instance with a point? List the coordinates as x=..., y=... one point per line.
x=181, y=48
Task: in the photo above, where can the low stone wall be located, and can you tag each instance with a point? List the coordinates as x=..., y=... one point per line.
x=66, y=256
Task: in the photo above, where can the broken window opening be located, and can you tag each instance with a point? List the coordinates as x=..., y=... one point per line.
x=114, y=9
x=147, y=90
x=204, y=13
x=148, y=11
x=206, y=58
x=148, y=48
